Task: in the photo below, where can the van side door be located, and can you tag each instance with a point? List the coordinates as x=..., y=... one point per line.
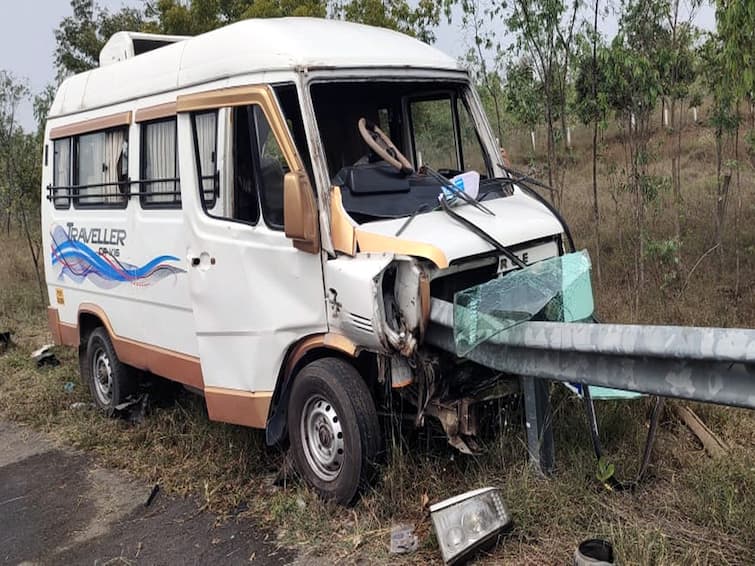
x=254, y=292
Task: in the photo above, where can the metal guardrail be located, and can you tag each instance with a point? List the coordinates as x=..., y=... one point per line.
x=713, y=365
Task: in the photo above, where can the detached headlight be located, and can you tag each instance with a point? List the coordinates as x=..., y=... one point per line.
x=468, y=521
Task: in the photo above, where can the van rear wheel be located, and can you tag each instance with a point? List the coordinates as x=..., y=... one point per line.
x=334, y=429
x=110, y=381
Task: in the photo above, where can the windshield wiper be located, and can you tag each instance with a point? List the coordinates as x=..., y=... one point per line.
x=481, y=233
x=405, y=225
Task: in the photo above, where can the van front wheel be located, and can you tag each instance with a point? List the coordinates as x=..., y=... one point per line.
x=334, y=429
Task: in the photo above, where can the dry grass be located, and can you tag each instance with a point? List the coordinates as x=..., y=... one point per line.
x=691, y=509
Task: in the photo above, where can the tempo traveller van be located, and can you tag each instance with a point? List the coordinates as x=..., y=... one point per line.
x=257, y=213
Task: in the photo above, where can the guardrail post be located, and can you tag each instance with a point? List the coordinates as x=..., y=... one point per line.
x=539, y=423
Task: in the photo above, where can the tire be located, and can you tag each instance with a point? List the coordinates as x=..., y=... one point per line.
x=110, y=381
x=330, y=398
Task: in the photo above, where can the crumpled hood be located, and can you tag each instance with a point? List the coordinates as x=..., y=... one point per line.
x=518, y=219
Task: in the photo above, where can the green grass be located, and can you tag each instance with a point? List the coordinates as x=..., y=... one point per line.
x=690, y=510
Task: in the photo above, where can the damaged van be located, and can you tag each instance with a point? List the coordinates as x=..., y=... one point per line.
x=263, y=214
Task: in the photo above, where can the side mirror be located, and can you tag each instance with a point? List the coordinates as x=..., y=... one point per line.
x=300, y=218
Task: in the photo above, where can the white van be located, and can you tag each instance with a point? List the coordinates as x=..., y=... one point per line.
x=226, y=212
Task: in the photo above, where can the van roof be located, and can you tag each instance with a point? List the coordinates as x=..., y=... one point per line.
x=245, y=47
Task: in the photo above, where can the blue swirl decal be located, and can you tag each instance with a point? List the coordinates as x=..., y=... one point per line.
x=79, y=262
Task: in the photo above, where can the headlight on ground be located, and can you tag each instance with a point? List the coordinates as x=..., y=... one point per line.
x=465, y=523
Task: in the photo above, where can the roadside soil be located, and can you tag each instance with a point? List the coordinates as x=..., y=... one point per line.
x=58, y=507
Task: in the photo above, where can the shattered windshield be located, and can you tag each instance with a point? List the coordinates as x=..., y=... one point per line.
x=428, y=129
x=556, y=289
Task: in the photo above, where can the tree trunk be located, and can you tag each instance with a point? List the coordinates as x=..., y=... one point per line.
x=596, y=208
x=34, y=255
x=677, y=123
x=555, y=193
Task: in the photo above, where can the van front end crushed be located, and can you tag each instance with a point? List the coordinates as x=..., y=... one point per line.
x=382, y=302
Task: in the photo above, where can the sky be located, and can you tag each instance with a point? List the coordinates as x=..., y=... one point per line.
x=27, y=41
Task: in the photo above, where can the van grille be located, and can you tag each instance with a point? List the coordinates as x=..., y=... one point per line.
x=360, y=323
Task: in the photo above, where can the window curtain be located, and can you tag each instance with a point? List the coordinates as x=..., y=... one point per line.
x=160, y=162
x=101, y=158
x=61, y=169
x=206, y=125
x=115, y=164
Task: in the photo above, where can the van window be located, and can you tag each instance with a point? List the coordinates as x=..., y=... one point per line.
x=473, y=156
x=433, y=133
x=288, y=99
x=101, y=169
x=245, y=206
x=272, y=168
x=159, y=185
x=206, y=142
x=61, y=172
x=259, y=167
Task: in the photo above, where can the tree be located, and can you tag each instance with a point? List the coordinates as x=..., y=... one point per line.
x=735, y=23
x=544, y=30
x=592, y=106
x=19, y=159
x=200, y=16
x=634, y=86
x=724, y=118
x=80, y=37
x=523, y=94
x=677, y=76
x=487, y=80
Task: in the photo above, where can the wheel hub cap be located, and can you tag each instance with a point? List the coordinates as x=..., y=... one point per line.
x=102, y=374
x=323, y=438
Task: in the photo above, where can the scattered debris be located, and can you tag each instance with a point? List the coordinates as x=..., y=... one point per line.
x=714, y=446
x=135, y=408
x=69, y=386
x=594, y=552
x=5, y=341
x=300, y=503
x=152, y=495
x=403, y=539
x=44, y=356
x=80, y=406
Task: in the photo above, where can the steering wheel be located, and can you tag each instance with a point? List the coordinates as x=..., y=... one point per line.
x=382, y=145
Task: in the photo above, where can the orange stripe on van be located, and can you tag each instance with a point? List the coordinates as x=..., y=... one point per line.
x=246, y=408
x=93, y=125
x=156, y=112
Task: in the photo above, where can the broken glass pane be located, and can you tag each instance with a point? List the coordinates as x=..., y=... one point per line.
x=557, y=289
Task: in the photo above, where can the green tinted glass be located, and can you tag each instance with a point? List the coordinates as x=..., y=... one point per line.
x=556, y=289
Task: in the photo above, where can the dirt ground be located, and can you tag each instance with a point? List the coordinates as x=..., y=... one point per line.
x=57, y=507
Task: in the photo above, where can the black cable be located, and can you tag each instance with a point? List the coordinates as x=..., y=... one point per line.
x=552, y=209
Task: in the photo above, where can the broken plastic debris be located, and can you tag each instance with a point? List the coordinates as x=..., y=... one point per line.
x=134, y=408
x=39, y=352
x=403, y=539
x=603, y=393
x=44, y=356
x=5, y=340
x=556, y=289
x=152, y=495
x=69, y=386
